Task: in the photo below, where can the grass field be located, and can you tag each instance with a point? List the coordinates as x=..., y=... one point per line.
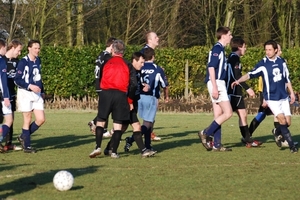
x=182, y=169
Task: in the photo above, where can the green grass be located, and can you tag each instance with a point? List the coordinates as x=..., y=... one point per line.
x=182, y=169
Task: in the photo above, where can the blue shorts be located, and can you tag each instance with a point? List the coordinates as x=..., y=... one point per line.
x=147, y=107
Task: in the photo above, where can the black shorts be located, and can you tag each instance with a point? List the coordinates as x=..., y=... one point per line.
x=114, y=102
x=13, y=104
x=237, y=102
x=266, y=110
x=133, y=114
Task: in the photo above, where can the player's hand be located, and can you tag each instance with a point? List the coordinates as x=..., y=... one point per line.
x=215, y=93
x=6, y=102
x=131, y=106
x=146, y=87
x=264, y=104
x=234, y=84
x=34, y=88
x=166, y=99
x=292, y=98
x=250, y=92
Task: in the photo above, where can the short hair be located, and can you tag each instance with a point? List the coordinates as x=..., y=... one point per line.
x=110, y=41
x=14, y=43
x=223, y=30
x=147, y=35
x=236, y=43
x=2, y=43
x=118, y=47
x=136, y=56
x=149, y=53
x=271, y=42
x=31, y=42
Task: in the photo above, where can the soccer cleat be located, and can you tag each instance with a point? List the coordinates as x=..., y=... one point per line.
x=203, y=137
x=114, y=155
x=95, y=153
x=20, y=139
x=2, y=149
x=29, y=150
x=148, y=153
x=221, y=149
x=13, y=147
x=107, y=134
x=294, y=149
x=92, y=127
x=107, y=152
x=128, y=144
x=278, y=140
x=154, y=137
x=254, y=143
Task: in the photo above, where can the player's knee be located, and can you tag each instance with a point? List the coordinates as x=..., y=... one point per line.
x=260, y=116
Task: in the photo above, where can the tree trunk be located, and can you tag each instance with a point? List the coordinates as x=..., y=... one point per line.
x=80, y=24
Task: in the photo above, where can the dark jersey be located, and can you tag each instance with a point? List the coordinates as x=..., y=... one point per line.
x=11, y=73
x=103, y=57
x=29, y=72
x=119, y=74
x=234, y=70
x=275, y=75
x=3, y=79
x=217, y=60
x=155, y=77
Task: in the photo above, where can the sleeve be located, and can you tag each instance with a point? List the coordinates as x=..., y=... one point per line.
x=164, y=81
x=132, y=83
x=237, y=72
x=4, y=86
x=214, y=57
x=21, y=74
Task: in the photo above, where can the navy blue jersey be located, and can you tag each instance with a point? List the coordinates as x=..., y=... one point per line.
x=143, y=49
x=103, y=57
x=11, y=73
x=155, y=77
x=29, y=72
x=275, y=75
x=3, y=77
x=217, y=60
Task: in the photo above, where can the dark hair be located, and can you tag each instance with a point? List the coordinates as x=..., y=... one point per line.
x=31, y=42
x=14, y=43
x=223, y=30
x=236, y=43
x=136, y=56
x=118, y=47
x=110, y=41
x=149, y=53
x=2, y=42
x=271, y=42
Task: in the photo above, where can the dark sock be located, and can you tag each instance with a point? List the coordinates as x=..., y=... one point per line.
x=139, y=140
x=26, y=137
x=253, y=125
x=147, y=135
x=217, y=138
x=245, y=133
x=116, y=138
x=33, y=127
x=5, y=130
x=276, y=125
x=99, y=135
x=287, y=135
x=213, y=127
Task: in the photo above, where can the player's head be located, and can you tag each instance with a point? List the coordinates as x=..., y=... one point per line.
x=152, y=39
x=149, y=54
x=118, y=47
x=271, y=49
x=137, y=60
x=237, y=44
x=110, y=41
x=279, y=52
x=2, y=46
x=223, y=34
x=14, y=48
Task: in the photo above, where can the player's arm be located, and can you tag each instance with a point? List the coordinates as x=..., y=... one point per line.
x=212, y=76
x=132, y=83
x=289, y=84
x=238, y=74
x=5, y=91
x=165, y=84
x=21, y=74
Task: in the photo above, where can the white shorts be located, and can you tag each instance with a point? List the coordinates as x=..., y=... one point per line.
x=223, y=96
x=6, y=110
x=28, y=101
x=281, y=106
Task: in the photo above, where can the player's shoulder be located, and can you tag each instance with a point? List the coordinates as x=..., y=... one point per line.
x=217, y=47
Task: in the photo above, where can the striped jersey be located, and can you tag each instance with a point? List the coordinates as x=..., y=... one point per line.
x=275, y=75
x=3, y=79
x=217, y=60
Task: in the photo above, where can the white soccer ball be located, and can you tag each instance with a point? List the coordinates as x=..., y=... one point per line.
x=63, y=180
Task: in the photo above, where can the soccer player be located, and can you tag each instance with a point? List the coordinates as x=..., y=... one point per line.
x=14, y=49
x=215, y=79
x=103, y=57
x=30, y=94
x=137, y=62
x=154, y=76
x=275, y=75
x=238, y=48
x=116, y=86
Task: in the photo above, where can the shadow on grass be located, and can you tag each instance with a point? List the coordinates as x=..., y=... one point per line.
x=25, y=184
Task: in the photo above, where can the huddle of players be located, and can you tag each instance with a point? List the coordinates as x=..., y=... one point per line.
x=113, y=74
x=274, y=72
